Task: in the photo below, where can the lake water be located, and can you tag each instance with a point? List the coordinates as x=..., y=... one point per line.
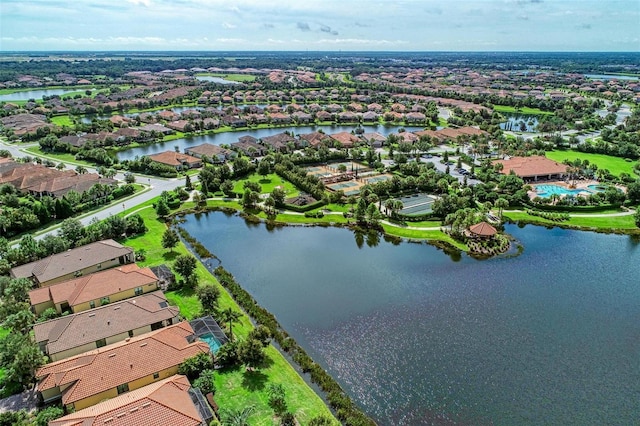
x=231, y=137
x=515, y=122
x=610, y=77
x=37, y=94
x=418, y=337
x=215, y=79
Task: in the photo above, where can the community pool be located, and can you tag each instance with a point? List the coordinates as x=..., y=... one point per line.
x=548, y=190
x=211, y=340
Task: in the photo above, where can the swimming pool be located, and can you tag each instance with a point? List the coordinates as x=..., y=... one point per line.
x=545, y=191
x=211, y=340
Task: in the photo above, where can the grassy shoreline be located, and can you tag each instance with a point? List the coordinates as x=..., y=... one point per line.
x=236, y=388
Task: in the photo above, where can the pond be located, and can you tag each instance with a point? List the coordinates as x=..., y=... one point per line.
x=519, y=122
x=230, y=137
x=38, y=94
x=417, y=336
x=610, y=77
x=215, y=79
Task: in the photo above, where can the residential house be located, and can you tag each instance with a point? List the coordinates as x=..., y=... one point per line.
x=302, y=117
x=156, y=128
x=216, y=153
x=280, y=118
x=91, y=377
x=376, y=140
x=74, y=334
x=249, y=147
x=370, y=117
x=76, y=262
x=346, y=139
x=177, y=160
x=180, y=125
x=279, y=142
x=171, y=401
x=415, y=117
x=313, y=139
x=97, y=289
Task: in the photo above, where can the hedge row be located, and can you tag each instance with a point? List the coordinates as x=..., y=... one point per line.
x=582, y=209
x=346, y=410
x=556, y=217
x=305, y=208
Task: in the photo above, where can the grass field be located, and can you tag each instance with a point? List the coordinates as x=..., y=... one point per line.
x=595, y=222
x=268, y=183
x=615, y=165
x=523, y=110
x=62, y=120
x=236, y=388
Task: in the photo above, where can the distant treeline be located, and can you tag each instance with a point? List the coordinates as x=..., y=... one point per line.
x=103, y=63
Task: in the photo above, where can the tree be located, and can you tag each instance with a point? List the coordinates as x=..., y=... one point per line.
x=262, y=334
x=501, y=203
x=205, y=382
x=208, y=296
x=237, y=417
x=191, y=367
x=162, y=209
x=278, y=195
x=47, y=414
x=229, y=316
x=129, y=178
x=227, y=188
x=185, y=265
x=71, y=230
x=187, y=183
x=636, y=218
x=81, y=170
x=20, y=357
x=277, y=399
x=251, y=353
x=321, y=421
x=264, y=168
x=170, y=239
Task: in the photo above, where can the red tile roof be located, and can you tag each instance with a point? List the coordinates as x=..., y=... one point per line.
x=103, y=369
x=531, y=166
x=94, y=286
x=483, y=229
x=166, y=402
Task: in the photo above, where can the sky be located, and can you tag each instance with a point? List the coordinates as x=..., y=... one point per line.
x=320, y=25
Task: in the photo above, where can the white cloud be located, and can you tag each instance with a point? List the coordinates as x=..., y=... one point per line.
x=146, y=3
x=228, y=25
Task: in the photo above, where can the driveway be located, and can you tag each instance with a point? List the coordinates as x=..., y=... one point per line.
x=27, y=400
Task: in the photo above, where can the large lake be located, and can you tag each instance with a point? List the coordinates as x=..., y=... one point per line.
x=38, y=94
x=231, y=137
x=549, y=337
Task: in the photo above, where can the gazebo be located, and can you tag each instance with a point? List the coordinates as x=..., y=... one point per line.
x=482, y=230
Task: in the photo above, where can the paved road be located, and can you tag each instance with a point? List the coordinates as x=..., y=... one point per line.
x=155, y=186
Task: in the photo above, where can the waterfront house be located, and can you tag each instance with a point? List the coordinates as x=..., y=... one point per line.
x=91, y=377
x=533, y=168
x=216, y=153
x=72, y=263
x=97, y=289
x=171, y=401
x=176, y=160
x=74, y=334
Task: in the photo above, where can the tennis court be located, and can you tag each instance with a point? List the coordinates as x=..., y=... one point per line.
x=417, y=204
x=378, y=178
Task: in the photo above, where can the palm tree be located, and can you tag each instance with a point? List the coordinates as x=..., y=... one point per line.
x=238, y=417
x=230, y=316
x=501, y=204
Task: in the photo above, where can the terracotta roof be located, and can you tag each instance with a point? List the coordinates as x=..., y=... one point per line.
x=94, y=286
x=483, y=229
x=103, y=369
x=536, y=165
x=208, y=149
x=70, y=261
x=345, y=138
x=173, y=158
x=166, y=402
x=85, y=327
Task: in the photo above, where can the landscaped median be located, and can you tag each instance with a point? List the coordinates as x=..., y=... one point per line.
x=235, y=388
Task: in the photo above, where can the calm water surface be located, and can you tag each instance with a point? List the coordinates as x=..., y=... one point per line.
x=38, y=94
x=551, y=337
x=231, y=137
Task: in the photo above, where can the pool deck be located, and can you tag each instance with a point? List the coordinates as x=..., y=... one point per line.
x=580, y=185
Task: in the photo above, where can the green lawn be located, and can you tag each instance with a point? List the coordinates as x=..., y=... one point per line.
x=615, y=165
x=596, y=222
x=418, y=234
x=62, y=120
x=59, y=156
x=523, y=110
x=268, y=184
x=235, y=388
